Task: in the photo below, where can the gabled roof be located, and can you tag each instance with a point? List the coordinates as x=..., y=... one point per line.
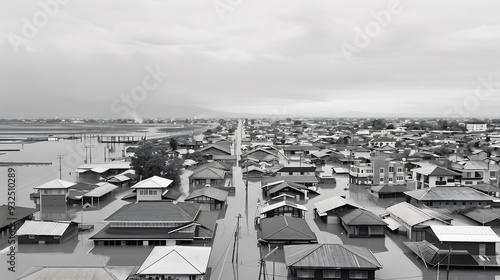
x=210, y=192
x=357, y=217
x=20, y=213
x=408, y=213
x=285, y=184
x=43, y=228
x=435, y=170
x=285, y=228
x=220, y=147
x=332, y=256
x=299, y=179
x=449, y=194
x=154, y=182
x=157, y=211
x=465, y=234
x=176, y=260
x=208, y=173
x=78, y=273
x=281, y=204
x=481, y=215
x=332, y=203
x=389, y=189
x=56, y=184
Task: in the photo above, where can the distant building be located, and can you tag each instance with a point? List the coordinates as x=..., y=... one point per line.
x=476, y=127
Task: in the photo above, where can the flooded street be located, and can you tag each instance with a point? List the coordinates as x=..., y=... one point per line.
x=398, y=261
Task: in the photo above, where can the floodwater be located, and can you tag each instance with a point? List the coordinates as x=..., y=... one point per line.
x=398, y=261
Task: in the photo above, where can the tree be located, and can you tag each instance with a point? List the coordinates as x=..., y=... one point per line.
x=391, y=126
x=173, y=143
x=152, y=160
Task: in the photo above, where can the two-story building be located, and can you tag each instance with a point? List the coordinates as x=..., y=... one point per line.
x=435, y=176
x=151, y=189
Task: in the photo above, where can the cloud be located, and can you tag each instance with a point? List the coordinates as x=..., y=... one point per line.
x=280, y=56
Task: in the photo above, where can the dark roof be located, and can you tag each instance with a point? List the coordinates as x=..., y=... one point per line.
x=209, y=192
x=161, y=211
x=285, y=184
x=301, y=148
x=485, y=188
x=297, y=169
x=330, y=256
x=285, y=228
x=20, y=213
x=111, y=233
x=299, y=179
x=356, y=217
x=208, y=222
x=389, y=189
x=482, y=216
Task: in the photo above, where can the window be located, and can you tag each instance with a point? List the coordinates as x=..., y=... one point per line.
x=391, y=169
x=356, y=274
x=141, y=192
x=331, y=274
x=400, y=169
x=390, y=179
x=381, y=179
x=381, y=171
x=31, y=237
x=399, y=178
x=305, y=273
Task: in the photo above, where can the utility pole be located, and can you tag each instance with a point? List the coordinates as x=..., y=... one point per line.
x=448, y=267
x=60, y=157
x=236, y=243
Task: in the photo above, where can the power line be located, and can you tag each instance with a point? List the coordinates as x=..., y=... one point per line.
x=60, y=157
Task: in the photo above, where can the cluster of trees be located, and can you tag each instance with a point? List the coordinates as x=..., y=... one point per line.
x=153, y=160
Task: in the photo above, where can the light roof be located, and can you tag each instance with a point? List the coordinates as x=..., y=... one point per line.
x=465, y=234
x=56, y=184
x=176, y=260
x=153, y=182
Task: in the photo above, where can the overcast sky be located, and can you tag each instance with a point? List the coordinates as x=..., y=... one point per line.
x=94, y=58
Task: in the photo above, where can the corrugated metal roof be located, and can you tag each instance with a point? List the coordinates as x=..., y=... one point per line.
x=176, y=260
x=160, y=211
x=391, y=223
x=286, y=228
x=43, y=228
x=281, y=204
x=330, y=256
x=55, y=184
x=78, y=273
x=102, y=189
x=210, y=192
x=465, y=234
x=449, y=194
x=332, y=203
x=153, y=182
x=357, y=217
x=408, y=213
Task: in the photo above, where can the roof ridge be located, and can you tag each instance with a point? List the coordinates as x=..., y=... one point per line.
x=361, y=256
x=309, y=253
x=187, y=260
x=155, y=261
